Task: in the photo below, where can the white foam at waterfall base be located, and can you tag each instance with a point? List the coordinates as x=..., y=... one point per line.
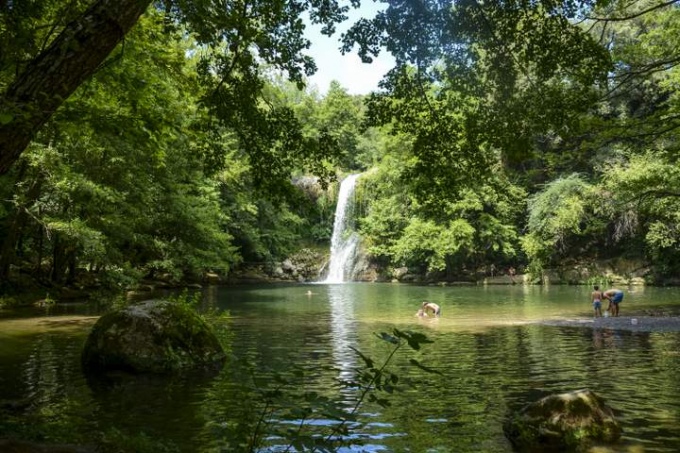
x=343, y=242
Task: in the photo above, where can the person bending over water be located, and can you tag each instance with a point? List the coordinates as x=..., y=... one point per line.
x=431, y=306
x=614, y=296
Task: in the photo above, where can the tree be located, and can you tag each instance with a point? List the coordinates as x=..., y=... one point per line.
x=454, y=235
x=473, y=79
x=340, y=115
x=237, y=35
x=120, y=176
x=55, y=73
x=642, y=202
x=556, y=215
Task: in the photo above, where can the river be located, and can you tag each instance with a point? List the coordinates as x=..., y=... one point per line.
x=490, y=355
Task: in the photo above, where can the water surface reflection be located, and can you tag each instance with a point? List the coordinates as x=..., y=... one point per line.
x=491, y=357
x=343, y=327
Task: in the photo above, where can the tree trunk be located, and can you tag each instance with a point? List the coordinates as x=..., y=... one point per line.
x=72, y=261
x=57, y=72
x=16, y=224
x=41, y=240
x=59, y=260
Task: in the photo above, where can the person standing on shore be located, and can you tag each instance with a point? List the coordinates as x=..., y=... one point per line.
x=614, y=296
x=596, y=296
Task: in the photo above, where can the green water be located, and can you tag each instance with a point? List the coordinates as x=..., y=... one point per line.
x=491, y=353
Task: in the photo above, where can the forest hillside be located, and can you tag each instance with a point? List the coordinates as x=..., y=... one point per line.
x=533, y=135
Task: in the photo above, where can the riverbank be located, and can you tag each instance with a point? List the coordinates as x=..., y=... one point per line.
x=629, y=323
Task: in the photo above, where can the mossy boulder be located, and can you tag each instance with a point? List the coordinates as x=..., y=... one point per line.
x=153, y=336
x=565, y=422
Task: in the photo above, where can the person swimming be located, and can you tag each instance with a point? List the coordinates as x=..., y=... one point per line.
x=431, y=306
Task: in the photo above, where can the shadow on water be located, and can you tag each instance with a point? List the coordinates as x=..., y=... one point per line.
x=163, y=407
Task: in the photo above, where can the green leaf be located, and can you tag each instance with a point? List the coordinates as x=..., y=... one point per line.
x=414, y=362
x=367, y=360
x=388, y=338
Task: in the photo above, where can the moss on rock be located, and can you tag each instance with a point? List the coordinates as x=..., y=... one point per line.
x=153, y=336
x=565, y=422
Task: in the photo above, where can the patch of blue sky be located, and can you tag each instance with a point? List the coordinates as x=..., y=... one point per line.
x=348, y=70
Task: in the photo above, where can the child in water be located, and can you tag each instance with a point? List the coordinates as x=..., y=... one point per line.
x=597, y=296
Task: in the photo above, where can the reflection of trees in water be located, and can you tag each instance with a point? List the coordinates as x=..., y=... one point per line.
x=264, y=389
x=485, y=373
x=606, y=339
x=51, y=369
x=41, y=371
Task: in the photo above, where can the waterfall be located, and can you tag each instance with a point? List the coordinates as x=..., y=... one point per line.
x=344, y=241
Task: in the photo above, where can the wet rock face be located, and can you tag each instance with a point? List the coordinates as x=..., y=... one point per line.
x=153, y=336
x=565, y=422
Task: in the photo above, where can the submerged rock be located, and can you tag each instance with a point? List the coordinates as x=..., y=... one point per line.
x=153, y=336
x=565, y=422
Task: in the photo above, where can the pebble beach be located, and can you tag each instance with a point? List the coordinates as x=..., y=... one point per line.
x=629, y=323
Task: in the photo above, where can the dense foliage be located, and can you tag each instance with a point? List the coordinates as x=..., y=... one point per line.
x=508, y=134
x=551, y=123
x=139, y=174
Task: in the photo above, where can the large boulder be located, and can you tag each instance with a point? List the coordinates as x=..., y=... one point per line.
x=153, y=336
x=564, y=422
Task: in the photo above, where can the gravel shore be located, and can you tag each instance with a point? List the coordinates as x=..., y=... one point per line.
x=630, y=323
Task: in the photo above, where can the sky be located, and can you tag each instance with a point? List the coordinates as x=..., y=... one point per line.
x=353, y=75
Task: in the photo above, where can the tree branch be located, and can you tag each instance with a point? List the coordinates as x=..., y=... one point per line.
x=49, y=79
x=632, y=16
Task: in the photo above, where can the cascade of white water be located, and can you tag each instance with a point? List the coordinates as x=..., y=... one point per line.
x=343, y=242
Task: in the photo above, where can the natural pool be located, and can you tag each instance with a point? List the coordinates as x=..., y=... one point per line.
x=490, y=354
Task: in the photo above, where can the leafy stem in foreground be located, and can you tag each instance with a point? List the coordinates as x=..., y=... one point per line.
x=378, y=378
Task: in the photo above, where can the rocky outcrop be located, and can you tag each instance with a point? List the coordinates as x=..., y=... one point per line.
x=364, y=270
x=306, y=265
x=564, y=422
x=154, y=336
x=614, y=272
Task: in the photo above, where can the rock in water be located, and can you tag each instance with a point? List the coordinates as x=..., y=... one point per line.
x=154, y=336
x=565, y=422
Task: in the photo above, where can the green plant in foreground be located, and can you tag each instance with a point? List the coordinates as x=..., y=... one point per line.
x=312, y=411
